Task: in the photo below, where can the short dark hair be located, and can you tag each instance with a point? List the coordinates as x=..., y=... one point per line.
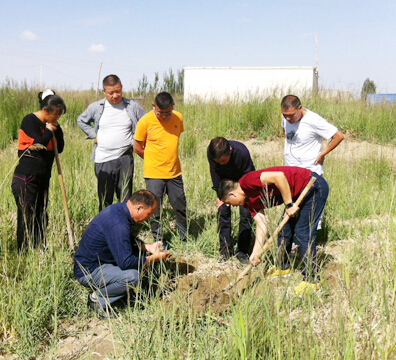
x=163, y=100
x=51, y=103
x=218, y=147
x=143, y=197
x=225, y=187
x=290, y=101
x=111, y=80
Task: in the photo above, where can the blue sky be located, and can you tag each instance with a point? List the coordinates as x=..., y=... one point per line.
x=71, y=38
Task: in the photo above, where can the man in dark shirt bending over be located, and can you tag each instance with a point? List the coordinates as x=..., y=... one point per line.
x=230, y=160
x=109, y=258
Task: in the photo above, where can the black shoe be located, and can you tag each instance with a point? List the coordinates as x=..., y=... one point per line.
x=103, y=313
x=243, y=258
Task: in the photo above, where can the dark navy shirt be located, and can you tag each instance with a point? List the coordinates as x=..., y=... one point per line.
x=108, y=239
x=239, y=165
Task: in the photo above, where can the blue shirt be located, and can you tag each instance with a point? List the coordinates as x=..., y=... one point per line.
x=108, y=239
x=239, y=165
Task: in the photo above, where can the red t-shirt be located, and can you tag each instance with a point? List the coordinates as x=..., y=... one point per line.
x=259, y=197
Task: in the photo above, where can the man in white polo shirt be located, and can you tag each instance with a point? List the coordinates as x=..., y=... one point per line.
x=114, y=121
x=304, y=133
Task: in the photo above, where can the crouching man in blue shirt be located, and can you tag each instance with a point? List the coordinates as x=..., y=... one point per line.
x=109, y=258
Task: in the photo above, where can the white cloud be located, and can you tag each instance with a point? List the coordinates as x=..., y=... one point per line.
x=244, y=20
x=28, y=36
x=97, y=48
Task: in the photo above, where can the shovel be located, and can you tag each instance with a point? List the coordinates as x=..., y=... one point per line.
x=273, y=236
x=62, y=185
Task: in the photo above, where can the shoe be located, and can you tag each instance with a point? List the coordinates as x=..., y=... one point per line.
x=243, y=258
x=306, y=288
x=103, y=313
x=274, y=272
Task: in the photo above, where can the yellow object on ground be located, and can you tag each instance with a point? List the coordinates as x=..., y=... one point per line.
x=274, y=272
x=305, y=288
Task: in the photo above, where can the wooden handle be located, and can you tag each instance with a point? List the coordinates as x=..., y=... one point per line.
x=62, y=186
x=267, y=244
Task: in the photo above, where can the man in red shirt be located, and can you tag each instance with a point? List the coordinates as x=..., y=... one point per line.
x=273, y=186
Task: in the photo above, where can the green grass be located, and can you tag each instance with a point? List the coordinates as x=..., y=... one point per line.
x=353, y=318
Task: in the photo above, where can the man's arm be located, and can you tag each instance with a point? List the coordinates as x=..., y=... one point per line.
x=215, y=179
x=85, y=120
x=261, y=235
x=333, y=143
x=214, y=174
x=138, y=148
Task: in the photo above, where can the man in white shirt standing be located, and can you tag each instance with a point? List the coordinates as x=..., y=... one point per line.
x=304, y=133
x=114, y=121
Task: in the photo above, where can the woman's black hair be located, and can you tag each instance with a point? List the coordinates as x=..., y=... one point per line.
x=51, y=102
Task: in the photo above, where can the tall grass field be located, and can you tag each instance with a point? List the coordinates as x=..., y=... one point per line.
x=42, y=306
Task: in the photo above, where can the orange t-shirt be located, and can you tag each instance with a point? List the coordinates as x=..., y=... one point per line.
x=161, y=139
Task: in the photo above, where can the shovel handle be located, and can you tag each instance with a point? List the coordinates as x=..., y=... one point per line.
x=267, y=244
x=63, y=190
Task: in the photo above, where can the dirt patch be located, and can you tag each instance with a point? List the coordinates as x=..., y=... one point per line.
x=203, y=289
x=93, y=341
x=349, y=150
x=206, y=294
x=331, y=275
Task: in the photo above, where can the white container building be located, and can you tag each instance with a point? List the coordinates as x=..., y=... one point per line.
x=245, y=83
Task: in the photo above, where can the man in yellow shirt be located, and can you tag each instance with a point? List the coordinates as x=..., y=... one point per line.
x=157, y=141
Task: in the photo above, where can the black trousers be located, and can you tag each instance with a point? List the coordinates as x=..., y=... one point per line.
x=115, y=176
x=224, y=229
x=177, y=198
x=31, y=197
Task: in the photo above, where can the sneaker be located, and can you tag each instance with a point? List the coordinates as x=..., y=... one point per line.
x=99, y=310
x=274, y=272
x=243, y=258
x=306, y=288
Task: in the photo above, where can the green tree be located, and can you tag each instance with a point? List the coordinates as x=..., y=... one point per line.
x=169, y=84
x=368, y=87
x=155, y=86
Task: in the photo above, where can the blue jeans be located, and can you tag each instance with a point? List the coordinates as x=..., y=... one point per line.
x=304, y=227
x=110, y=283
x=224, y=229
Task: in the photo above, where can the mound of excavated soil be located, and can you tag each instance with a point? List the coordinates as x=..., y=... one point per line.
x=203, y=291
x=205, y=294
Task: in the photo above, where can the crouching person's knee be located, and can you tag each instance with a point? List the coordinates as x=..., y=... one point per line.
x=132, y=277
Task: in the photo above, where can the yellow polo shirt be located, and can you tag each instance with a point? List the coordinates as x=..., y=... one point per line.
x=161, y=139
